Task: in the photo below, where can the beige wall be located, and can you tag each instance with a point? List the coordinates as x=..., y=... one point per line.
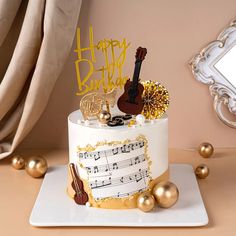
x=173, y=31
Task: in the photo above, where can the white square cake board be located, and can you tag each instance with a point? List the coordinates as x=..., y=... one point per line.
x=53, y=207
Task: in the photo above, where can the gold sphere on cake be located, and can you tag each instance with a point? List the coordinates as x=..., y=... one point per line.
x=202, y=171
x=104, y=117
x=36, y=166
x=131, y=123
x=166, y=194
x=155, y=98
x=205, y=150
x=18, y=162
x=146, y=202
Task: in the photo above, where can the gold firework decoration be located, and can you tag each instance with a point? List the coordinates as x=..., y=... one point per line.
x=155, y=99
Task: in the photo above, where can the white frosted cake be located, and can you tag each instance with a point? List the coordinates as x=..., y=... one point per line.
x=116, y=164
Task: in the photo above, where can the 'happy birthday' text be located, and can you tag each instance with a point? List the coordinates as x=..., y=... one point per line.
x=109, y=74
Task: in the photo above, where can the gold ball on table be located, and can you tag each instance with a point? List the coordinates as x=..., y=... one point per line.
x=205, y=150
x=104, y=117
x=202, y=171
x=146, y=202
x=36, y=166
x=18, y=162
x=166, y=194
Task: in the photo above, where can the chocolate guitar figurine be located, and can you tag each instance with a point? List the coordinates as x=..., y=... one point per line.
x=80, y=197
x=131, y=101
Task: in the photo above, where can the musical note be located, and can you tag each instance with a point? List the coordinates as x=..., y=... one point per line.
x=137, y=160
x=97, y=156
x=94, y=184
x=138, y=176
x=125, y=149
x=131, y=146
x=115, y=151
x=95, y=169
x=143, y=158
x=141, y=144
x=89, y=170
x=131, y=162
x=108, y=182
x=115, y=166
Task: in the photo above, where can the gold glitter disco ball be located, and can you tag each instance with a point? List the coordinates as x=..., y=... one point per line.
x=155, y=99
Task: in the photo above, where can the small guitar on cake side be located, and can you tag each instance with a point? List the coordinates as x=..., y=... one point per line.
x=131, y=101
x=80, y=197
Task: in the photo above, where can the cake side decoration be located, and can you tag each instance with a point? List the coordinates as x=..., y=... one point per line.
x=115, y=169
x=80, y=196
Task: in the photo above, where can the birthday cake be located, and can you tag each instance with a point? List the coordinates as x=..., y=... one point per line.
x=118, y=148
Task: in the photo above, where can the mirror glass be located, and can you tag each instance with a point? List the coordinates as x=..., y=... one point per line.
x=226, y=66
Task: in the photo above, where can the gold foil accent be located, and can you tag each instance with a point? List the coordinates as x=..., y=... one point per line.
x=155, y=98
x=87, y=148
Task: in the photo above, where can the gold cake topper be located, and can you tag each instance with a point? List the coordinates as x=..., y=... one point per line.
x=92, y=104
x=107, y=76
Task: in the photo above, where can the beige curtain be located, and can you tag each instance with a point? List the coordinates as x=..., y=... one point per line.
x=42, y=48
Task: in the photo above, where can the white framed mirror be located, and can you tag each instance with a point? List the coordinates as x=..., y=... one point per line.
x=215, y=66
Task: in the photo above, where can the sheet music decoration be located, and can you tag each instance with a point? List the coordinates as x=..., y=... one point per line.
x=117, y=169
